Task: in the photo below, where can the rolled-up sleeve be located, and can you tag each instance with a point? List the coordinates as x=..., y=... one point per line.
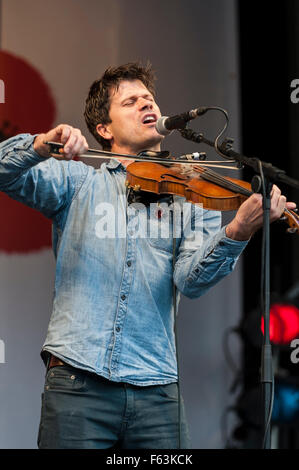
x=207, y=256
x=47, y=185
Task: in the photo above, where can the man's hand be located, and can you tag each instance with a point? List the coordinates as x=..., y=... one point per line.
x=249, y=217
x=74, y=142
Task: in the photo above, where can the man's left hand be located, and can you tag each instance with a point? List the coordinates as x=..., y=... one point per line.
x=249, y=217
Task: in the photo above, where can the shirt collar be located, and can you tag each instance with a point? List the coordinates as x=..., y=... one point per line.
x=113, y=164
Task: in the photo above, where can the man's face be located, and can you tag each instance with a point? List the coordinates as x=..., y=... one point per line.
x=134, y=113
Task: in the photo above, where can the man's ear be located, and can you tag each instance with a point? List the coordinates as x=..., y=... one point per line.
x=104, y=131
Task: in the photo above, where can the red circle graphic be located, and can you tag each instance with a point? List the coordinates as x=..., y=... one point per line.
x=28, y=107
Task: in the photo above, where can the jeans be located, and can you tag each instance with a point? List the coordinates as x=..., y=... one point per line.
x=81, y=410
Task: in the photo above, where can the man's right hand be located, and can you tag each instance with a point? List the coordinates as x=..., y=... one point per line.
x=72, y=139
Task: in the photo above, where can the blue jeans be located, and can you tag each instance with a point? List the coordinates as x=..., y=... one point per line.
x=81, y=410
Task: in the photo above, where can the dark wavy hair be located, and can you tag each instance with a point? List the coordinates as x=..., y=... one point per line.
x=98, y=100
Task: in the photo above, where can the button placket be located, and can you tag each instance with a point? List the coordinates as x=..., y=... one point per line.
x=125, y=287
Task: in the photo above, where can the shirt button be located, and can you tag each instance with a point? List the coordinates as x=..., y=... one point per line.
x=129, y=263
x=123, y=297
x=117, y=329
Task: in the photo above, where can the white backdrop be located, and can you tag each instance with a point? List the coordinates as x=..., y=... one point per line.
x=193, y=47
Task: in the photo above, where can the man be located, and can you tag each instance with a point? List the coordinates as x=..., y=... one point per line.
x=110, y=348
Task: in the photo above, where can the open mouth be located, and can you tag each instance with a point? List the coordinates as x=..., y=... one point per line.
x=149, y=119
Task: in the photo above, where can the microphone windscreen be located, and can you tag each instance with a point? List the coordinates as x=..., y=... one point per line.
x=160, y=126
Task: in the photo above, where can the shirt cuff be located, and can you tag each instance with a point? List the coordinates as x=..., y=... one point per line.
x=26, y=145
x=227, y=246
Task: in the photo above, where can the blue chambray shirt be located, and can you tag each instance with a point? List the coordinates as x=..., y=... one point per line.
x=113, y=309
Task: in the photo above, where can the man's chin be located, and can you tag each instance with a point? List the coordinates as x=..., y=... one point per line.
x=153, y=143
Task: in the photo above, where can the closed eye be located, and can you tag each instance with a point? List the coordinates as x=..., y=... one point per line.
x=133, y=100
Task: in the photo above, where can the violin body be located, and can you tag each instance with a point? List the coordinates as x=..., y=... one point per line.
x=187, y=182
x=197, y=185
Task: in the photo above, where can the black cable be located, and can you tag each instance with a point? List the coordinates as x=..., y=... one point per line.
x=216, y=146
x=189, y=134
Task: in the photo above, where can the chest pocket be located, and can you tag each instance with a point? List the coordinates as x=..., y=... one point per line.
x=160, y=227
x=154, y=223
x=175, y=221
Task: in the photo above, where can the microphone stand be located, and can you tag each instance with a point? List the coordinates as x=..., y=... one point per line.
x=266, y=175
x=275, y=175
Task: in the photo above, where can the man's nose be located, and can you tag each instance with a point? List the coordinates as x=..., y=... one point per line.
x=143, y=103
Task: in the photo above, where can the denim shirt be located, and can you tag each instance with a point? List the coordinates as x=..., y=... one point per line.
x=113, y=312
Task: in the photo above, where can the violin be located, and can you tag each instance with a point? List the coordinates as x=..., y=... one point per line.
x=198, y=184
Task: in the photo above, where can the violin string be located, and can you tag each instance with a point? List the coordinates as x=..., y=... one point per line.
x=228, y=184
x=214, y=177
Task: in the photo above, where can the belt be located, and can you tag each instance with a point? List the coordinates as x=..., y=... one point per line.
x=54, y=361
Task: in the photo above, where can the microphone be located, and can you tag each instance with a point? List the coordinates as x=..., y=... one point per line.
x=165, y=125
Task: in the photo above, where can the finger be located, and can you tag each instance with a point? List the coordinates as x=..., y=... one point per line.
x=65, y=132
x=291, y=205
x=280, y=206
x=80, y=145
x=275, y=197
x=70, y=145
x=84, y=146
x=255, y=199
x=274, y=189
x=77, y=149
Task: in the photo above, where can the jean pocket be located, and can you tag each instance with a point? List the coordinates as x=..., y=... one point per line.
x=64, y=377
x=169, y=391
